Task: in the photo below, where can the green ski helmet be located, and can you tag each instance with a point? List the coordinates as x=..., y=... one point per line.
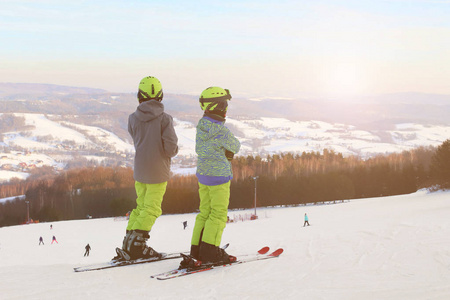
x=215, y=100
x=150, y=89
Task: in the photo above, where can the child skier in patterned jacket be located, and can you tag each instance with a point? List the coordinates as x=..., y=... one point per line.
x=215, y=148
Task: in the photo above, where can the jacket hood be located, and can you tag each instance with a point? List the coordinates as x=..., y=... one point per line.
x=149, y=110
x=208, y=129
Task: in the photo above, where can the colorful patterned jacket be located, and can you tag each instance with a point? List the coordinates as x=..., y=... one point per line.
x=212, y=139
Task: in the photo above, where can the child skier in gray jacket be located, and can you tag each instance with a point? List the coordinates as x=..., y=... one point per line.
x=155, y=142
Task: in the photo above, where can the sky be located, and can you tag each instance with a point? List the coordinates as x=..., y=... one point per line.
x=284, y=48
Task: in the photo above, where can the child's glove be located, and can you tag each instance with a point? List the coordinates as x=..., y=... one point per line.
x=229, y=155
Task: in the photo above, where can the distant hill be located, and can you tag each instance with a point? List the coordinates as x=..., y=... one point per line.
x=16, y=89
x=71, y=126
x=371, y=112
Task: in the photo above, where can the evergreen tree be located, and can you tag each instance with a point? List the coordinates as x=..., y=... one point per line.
x=440, y=165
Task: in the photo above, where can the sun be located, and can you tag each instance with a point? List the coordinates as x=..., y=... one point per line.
x=343, y=79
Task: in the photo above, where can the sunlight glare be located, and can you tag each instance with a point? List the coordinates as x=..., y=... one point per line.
x=343, y=79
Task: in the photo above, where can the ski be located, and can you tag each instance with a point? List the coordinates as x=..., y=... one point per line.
x=260, y=255
x=265, y=250
x=121, y=263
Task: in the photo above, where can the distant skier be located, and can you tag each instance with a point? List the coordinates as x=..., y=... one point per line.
x=184, y=225
x=215, y=146
x=41, y=240
x=88, y=248
x=54, y=240
x=306, y=220
x=51, y=227
x=155, y=142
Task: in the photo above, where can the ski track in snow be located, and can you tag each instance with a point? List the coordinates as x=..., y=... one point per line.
x=381, y=248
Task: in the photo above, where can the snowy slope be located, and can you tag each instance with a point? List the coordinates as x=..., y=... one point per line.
x=104, y=137
x=61, y=132
x=380, y=248
x=3, y=200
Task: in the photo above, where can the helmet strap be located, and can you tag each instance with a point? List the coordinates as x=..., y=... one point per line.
x=144, y=96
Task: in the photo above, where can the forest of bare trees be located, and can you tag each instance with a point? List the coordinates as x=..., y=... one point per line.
x=283, y=179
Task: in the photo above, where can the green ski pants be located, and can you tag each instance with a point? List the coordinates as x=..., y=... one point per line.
x=212, y=218
x=148, y=209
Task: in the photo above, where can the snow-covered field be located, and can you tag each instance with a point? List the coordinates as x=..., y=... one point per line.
x=380, y=248
x=52, y=142
x=57, y=132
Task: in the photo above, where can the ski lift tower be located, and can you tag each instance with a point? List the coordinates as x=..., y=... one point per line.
x=254, y=217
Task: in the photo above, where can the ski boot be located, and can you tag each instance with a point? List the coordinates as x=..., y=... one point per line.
x=134, y=246
x=214, y=255
x=119, y=251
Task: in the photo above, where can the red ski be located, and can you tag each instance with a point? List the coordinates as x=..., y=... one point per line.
x=260, y=255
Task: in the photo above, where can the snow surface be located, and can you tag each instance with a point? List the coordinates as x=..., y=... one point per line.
x=104, y=136
x=44, y=127
x=3, y=200
x=8, y=175
x=380, y=248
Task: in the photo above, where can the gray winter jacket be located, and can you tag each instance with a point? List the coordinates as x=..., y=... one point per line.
x=155, y=142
